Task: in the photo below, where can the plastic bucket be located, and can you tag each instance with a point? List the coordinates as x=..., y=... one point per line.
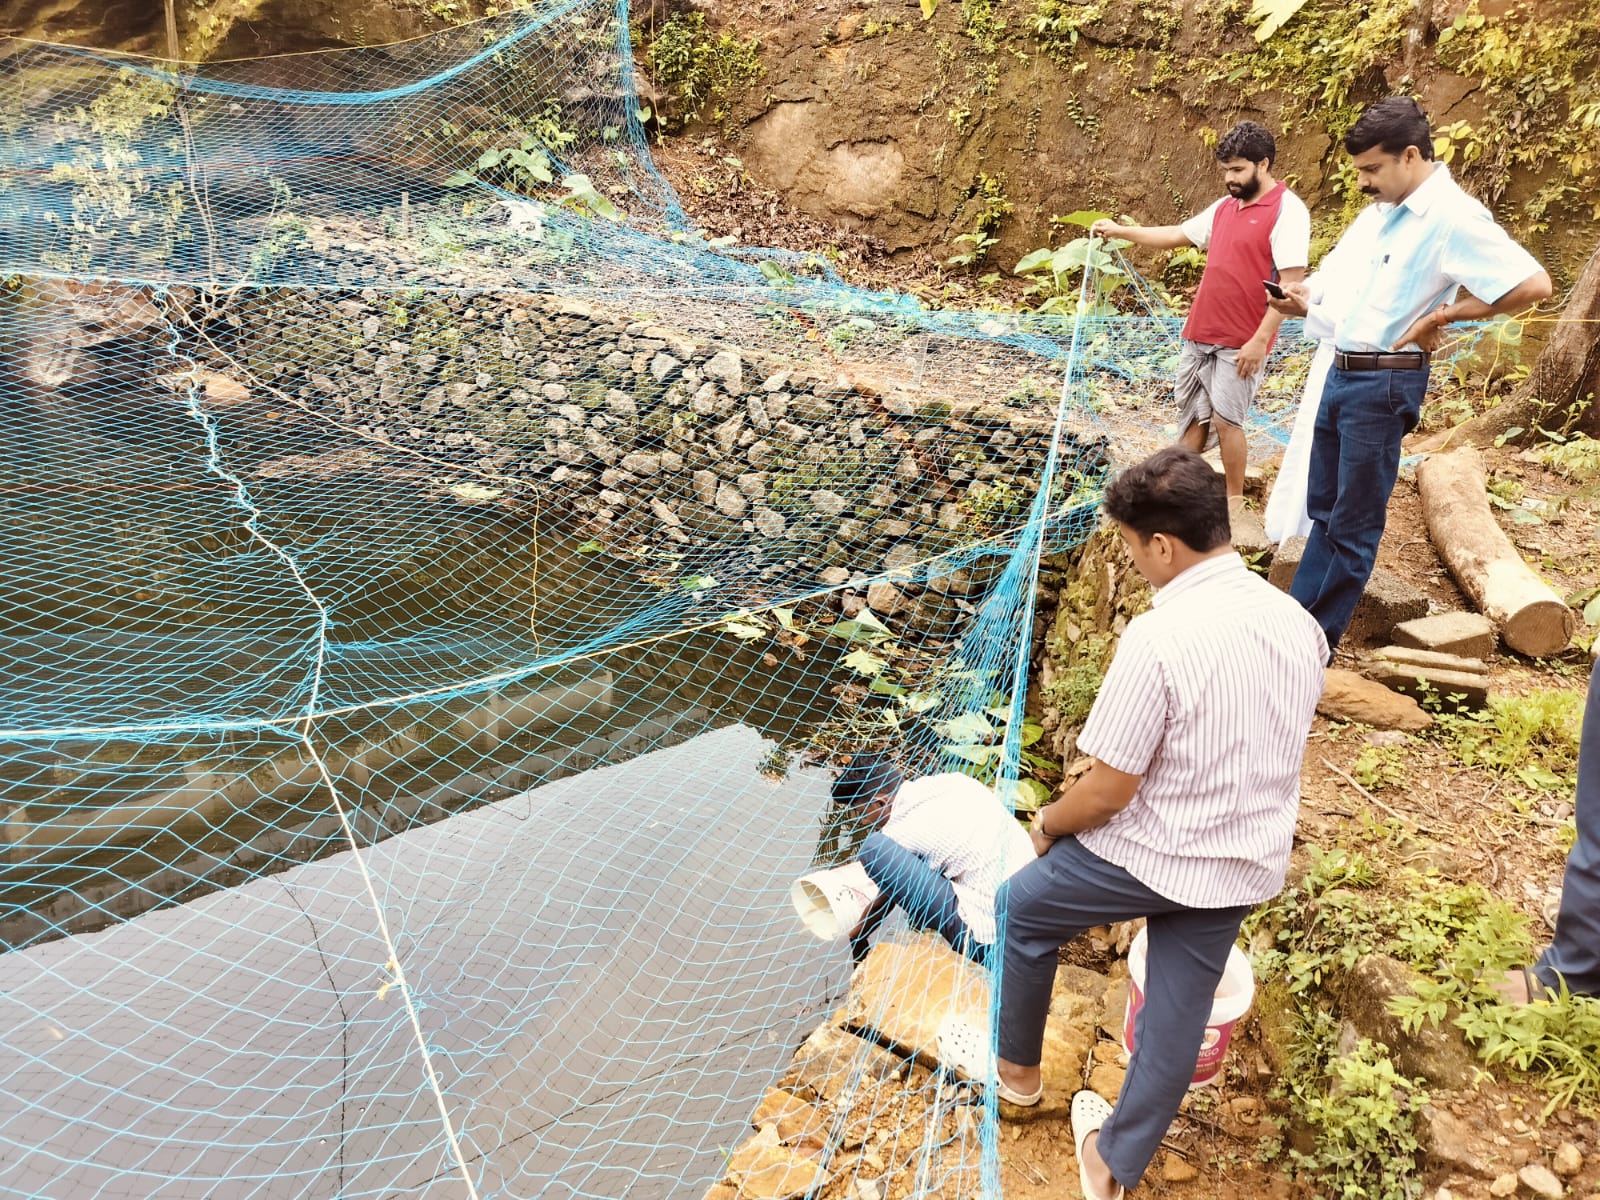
x=831, y=902
x=1232, y=1000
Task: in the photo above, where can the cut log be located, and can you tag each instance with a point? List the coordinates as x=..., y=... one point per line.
x=1530, y=615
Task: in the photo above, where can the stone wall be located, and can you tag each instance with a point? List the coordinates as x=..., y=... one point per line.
x=651, y=436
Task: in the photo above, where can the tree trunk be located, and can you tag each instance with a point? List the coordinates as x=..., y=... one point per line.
x=1455, y=503
x=1560, y=393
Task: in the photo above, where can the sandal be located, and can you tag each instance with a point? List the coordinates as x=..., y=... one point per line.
x=964, y=1048
x=1089, y=1112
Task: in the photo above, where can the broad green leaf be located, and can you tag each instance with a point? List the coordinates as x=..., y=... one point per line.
x=864, y=662
x=784, y=617
x=1028, y=795
x=461, y=179
x=929, y=7
x=1032, y=731
x=921, y=702
x=863, y=627
x=882, y=687
x=699, y=583
x=968, y=727
x=1273, y=15
x=1591, y=612
x=978, y=755
x=1084, y=218
x=590, y=547
x=489, y=158
x=1032, y=262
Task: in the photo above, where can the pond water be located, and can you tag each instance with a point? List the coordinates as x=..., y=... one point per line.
x=607, y=969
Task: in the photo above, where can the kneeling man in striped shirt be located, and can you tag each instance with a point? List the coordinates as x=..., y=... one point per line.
x=1186, y=817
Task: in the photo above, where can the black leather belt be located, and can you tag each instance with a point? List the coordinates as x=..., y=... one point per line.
x=1402, y=360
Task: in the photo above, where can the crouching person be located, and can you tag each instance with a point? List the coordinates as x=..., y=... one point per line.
x=941, y=847
x=1185, y=818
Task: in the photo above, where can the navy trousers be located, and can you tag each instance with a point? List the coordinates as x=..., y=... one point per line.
x=1051, y=901
x=1355, y=456
x=921, y=892
x=1574, y=955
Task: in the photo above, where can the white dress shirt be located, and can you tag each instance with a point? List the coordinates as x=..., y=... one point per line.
x=963, y=831
x=1402, y=260
x=1208, y=700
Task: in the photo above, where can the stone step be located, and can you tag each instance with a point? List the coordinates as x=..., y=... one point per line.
x=1471, y=635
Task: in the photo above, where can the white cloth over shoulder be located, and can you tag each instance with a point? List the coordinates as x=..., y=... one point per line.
x=962, y=830
x=1286, y=515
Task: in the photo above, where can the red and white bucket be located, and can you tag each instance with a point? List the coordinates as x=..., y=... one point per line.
x=1232, y=1000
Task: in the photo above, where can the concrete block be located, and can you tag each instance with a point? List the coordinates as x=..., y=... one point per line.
x=1387, y=601
x=1412, y=679
x=1471, y=635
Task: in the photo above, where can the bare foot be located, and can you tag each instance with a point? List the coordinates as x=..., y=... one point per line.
x=1103, y=1184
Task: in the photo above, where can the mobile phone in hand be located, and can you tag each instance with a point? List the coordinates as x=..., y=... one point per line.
x=1273, y=290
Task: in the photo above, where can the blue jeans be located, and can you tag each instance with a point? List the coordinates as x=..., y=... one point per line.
x=1052, y=900
x=1574, y=955
x=1355, y=456
x=922, y=893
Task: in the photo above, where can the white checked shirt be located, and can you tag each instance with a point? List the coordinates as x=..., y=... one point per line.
x=1208, y=700
x=963, y=831
x=1398, y=261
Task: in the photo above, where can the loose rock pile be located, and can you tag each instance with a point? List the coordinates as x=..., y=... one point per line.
x=650, y=436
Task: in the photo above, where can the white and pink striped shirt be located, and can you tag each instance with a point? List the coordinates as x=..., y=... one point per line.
x=1208, y=700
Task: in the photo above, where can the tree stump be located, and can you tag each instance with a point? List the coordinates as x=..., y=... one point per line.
x=1531, y=617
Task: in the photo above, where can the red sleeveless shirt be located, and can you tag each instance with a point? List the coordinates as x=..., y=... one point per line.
x=1231, y=302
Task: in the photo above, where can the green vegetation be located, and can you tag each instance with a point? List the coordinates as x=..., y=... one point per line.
x=699, y=69
x=988, y=191
x=1532, y=738
x=1363, y=1115
x=116, y=196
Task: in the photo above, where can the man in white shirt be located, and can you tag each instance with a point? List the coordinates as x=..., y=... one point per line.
x=1185, y=818
x=941, y=847
x=1408, y=255
x=1260, y=230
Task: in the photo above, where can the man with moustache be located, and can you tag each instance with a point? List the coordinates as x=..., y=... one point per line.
x=1398, y=271
x=1259, y=230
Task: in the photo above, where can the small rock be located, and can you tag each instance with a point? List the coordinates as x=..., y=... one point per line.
x=769, y=523
x=885, y=599
x=730, y=503
x=1177, y=1170
x=1106, y=1079
x=834, y=576
x=1503, y=1185
x=727, y=366
x=827, y=504
x=705, y=487
x=1541, y=1181
x=663, y=365
x=1348, y=696
x=1568, y=1160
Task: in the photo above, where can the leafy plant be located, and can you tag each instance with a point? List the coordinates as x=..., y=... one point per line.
x=1378, y=767
x=1363, y=1115
x=992, y=212
x=1532, y=738
x=116, y=197
x=1053, y=274
x=699, y=69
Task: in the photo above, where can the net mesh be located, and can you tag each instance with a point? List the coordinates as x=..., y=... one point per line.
x=433, y=590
